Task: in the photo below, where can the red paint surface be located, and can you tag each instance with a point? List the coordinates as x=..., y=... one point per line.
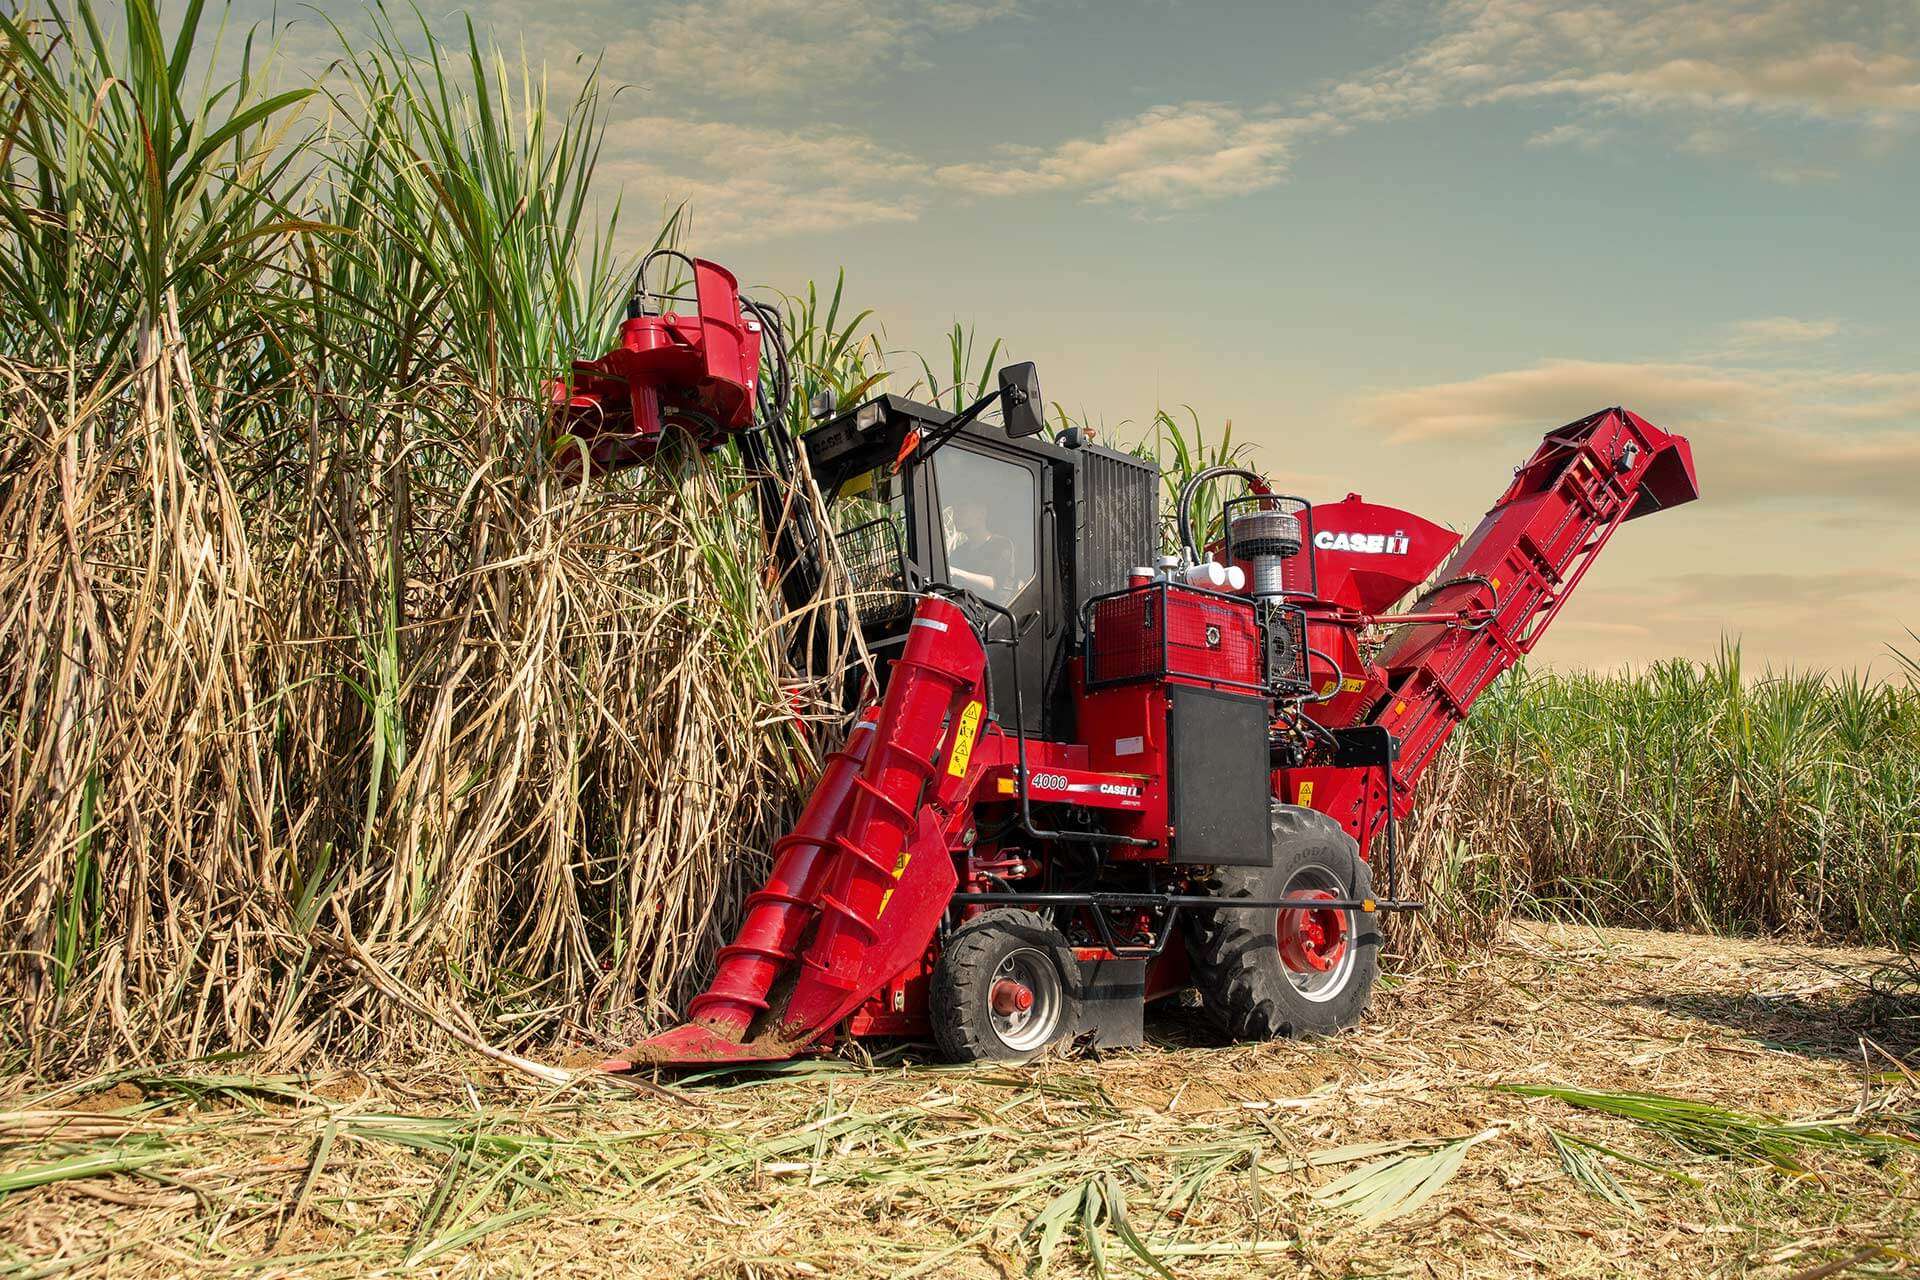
x=688, y=372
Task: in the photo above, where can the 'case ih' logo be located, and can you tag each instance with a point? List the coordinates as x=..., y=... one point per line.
x=1366, y=544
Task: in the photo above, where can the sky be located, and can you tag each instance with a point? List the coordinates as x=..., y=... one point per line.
x=1392, y=243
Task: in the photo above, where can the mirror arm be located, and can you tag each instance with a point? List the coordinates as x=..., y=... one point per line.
x=969, y=414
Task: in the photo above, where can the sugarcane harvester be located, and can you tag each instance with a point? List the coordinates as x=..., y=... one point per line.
x=1092, y=776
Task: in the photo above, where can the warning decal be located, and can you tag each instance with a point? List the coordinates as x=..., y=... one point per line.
x=963, y=740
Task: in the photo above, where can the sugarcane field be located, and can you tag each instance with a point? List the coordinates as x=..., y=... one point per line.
x=986, y=638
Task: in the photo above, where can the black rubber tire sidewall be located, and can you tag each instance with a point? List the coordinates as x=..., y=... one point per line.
x=1236, y=956
x=957, y=1001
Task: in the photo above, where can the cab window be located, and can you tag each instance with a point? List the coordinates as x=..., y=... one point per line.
x=988, y=521
x=870, y=496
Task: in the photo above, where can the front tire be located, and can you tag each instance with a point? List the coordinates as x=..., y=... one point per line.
x=1290, y=972
x=1000, y=990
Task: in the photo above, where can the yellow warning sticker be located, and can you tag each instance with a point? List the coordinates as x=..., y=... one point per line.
x=963, y=740
x=899, y=869
x=1352, y=684
x=1327, y=690
x=1305, y=798
x=1007, y=787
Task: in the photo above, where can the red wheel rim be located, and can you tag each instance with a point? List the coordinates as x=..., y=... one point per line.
x=1312, y=941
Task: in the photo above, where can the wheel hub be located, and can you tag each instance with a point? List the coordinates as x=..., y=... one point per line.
x=1025, y=1000
x=1312, y=940
x=1010, y=997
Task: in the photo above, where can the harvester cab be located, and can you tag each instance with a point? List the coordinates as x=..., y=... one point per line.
x=926, y=499
x=1095, y=773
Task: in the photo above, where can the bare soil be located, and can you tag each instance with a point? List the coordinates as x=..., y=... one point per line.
x=1212, y=1161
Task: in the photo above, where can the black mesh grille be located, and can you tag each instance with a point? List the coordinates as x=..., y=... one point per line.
x=877, y=569
x=1298, y=572
x=1118, y=517
x=1126, y=642
x=1286, y=650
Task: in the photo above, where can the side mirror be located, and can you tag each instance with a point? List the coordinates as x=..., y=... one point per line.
x=1021, y=408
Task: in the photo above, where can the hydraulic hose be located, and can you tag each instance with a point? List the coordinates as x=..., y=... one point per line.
x=1183, y=510
x=1339, y=672
x=637, y=300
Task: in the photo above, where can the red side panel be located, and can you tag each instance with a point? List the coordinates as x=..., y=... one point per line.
x=1367, y=556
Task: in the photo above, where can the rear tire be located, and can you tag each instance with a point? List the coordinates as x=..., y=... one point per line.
x=1249, y=988
x=1001, y=989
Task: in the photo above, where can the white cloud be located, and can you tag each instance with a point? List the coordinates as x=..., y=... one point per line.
x=1838, y=617
x=1780, y=331
x=1167, y=156
x=1706, y=67
x=1758, y=434
x=1571, y=134
x=1791, y=175
x=746, y=182
x=744, y=53
x=750, y=49
x=753, y=182
x=1556, y=391
x=1840, y=80
x=1806, y=56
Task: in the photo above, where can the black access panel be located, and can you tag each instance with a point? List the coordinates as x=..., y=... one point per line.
x=1219, y=788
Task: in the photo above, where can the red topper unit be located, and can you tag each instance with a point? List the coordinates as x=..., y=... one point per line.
x=694, y=373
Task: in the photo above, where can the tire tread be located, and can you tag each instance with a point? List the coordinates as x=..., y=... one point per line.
x=966, y=964
x=1236, y=960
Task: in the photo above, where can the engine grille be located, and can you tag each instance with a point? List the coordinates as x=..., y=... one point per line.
x=1286, y=637
x=1117, y=499
x=1166, y=630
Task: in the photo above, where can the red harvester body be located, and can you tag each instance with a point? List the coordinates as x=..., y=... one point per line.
x=1086, y=782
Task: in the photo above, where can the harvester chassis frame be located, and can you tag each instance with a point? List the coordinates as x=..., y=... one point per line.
x=1097, y=904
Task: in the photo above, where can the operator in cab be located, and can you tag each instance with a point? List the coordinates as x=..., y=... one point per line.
x=979, y=558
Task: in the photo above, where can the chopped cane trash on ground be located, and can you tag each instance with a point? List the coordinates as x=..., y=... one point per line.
x=1583, y=1102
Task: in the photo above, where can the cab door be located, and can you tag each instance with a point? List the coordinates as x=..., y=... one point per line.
x=988, y=515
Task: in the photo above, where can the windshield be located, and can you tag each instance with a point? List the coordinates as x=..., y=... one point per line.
x=987, y=519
